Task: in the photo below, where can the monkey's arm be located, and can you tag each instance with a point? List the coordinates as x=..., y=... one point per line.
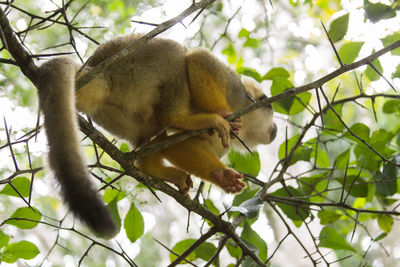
x=203, y=121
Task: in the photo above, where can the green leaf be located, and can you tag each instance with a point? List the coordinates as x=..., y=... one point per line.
x=124, y=148
x=371, y=73
x=307, y=184
x=390, y=39
x=300, y=154
x=111, y=194
x=355, y=186
x=20, y=250
x=349, y=51
x=276, y=72
x=211, y=207
x=25, y=213
x=113, y=208
x=244, y=33
x=328, y=216
x=3, y=239
x=338, y=28
x=249, y=208
x=252, y=42
x=294, y=212
x=22, y=184
x=280, y=84
x=322, y=158
x=134, y=224
x=181, y=247
x=329, y=238
x=365, y=158
x=391, y=106
x=230, y=52
x=250, y=236
x=250, y=73
x=376, y=12
x=320, y=189
x=396, y=74
x=245, y=163
x=242, y=197
x=380, y=140
x=205, y=251
x=290, y=105
x=360, y=129
x=385, y=222
x=380, y=237
x=342, y=160
x=331, y=121
x=386, y=182
x=233, y=249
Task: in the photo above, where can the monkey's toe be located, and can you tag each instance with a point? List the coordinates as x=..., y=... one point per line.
x=184, y=185
x=229, y=180
x=189, y=181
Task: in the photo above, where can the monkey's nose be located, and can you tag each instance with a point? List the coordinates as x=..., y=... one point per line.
x=273, y=133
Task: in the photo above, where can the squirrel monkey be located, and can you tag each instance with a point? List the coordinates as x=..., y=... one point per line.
x=162, y=84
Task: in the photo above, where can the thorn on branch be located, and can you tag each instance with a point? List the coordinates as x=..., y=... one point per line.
x=241, y=141
x=380, y=74
x=145, y=23
x=319, y=105
x=359, y=84
x=333, y=46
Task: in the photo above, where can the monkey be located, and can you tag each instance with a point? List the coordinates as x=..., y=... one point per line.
x=160, y=85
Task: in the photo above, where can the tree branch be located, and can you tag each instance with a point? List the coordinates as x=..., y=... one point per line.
x=16, y=49
x=316, y=84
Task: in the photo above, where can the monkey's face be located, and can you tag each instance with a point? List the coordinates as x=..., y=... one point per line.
x=258, y=127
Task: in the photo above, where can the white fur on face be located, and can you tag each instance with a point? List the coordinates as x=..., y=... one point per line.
x=257, y=126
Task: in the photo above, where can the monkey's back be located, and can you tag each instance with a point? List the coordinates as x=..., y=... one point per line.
x=136, y=86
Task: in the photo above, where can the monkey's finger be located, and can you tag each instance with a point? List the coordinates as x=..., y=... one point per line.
x=235, y=126
x=225, y=140
x=223, y=130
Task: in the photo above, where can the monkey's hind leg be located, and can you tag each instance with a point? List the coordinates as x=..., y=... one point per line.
x=195, y=155
x=153, y=165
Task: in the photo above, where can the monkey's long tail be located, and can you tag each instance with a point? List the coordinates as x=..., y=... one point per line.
x=57, y=101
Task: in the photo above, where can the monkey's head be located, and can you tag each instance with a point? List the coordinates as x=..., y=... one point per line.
x=258, y=127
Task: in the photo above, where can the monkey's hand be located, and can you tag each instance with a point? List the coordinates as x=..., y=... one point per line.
x=236, y=124
x=229, y=180
x=223, y=129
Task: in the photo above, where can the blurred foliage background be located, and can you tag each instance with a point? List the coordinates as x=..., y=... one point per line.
x=326, y=191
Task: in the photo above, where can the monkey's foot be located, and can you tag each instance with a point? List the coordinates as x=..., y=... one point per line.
x=229, y=180
x=184, y=185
